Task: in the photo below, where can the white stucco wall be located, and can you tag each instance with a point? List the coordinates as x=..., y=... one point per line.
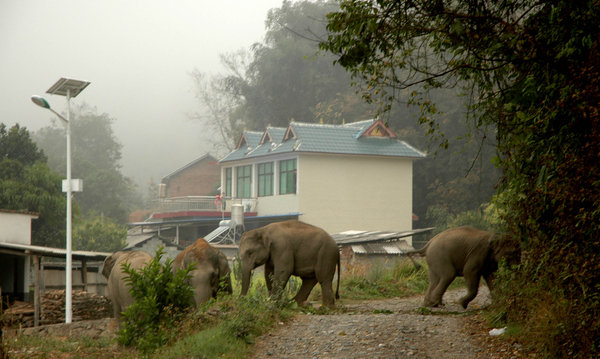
x=16, y=227
x=340, y=193
x=279, y=204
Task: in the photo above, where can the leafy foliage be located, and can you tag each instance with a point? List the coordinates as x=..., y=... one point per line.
x=99, y=234
x=29, y=185
x=532, y=69
x=16, y=144
x=160, y=299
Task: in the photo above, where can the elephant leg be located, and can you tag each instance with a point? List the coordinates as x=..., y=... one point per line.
x=437, y=293
x=280, y=279
x=489, y=280
x=434, y=279
x=472, y=282
x=328, y=298
x=116, y=310
x=305, y=289
x=269, y=277
x=201, y=281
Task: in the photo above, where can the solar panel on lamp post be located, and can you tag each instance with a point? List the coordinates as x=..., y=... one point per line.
x=69, y=88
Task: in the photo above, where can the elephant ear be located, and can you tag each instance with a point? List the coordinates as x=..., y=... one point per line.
x=190, y=258
x=109, y=263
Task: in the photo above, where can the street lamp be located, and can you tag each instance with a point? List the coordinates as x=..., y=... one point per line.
x=69, y=88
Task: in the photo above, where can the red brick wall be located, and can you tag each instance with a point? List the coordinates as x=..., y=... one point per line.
x=200, y=179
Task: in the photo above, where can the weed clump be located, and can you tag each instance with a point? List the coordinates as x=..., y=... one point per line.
x=161, y=299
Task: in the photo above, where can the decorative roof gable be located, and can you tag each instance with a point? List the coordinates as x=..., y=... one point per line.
x=377, y=129
x=289, y=133
x=249, y=139
x=272, y=135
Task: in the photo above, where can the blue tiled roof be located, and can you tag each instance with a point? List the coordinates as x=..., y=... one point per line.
x=351, y=138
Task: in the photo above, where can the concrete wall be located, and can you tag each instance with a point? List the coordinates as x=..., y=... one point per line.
x=16, y=227
x=339, y=193
x=344, y=192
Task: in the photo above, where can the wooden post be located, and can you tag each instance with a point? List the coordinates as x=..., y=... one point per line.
x=36, y=291
x=84, y=274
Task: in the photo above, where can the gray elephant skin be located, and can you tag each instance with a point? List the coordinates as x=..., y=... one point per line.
x=291, y=248
x=211, y=270
x=464, y=252
x=117, y=287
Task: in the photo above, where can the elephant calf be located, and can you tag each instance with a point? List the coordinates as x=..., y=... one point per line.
x=467, y=252
x=118, y=289
x=211, y=269
x=291, y=248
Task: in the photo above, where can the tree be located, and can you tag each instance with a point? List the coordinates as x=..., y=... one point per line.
x=281, y=79
x=99, y=234
x=16, y=144
x=220, y=105
x=95, y=159
x=29, y=185
x=532, y=69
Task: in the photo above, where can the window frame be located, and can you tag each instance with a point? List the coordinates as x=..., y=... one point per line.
x=265, y=179
x=229, y=181
x=288, y=176
x=243, y=181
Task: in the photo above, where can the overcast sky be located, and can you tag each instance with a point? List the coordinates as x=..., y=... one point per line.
x=137, y=56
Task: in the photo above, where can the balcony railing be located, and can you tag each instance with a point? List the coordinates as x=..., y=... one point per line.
x=202, y=204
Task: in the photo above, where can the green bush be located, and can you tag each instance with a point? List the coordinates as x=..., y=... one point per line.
x=224, y=328
x=160, y=301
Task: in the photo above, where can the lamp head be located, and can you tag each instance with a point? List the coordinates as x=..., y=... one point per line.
x=40, y=101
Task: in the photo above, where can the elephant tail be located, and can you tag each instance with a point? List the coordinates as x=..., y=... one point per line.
x=337, y=290
x=420, y=252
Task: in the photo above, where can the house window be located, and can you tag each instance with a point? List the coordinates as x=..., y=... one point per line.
x=265, y=179
x=287, y=176
x=228, y=182
x=244, y=181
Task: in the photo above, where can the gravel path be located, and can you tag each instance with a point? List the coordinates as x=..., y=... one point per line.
x=391, y=328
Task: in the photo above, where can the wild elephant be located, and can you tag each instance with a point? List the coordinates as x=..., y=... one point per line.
x=467, y=252
x=118, y=289
x=211, y=270
x=291, y=248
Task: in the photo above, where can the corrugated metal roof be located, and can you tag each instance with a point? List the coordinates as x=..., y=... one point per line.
x=318, y=138
x=51, y=252
x=365, y=237
x=138, y=240
x=396, y=248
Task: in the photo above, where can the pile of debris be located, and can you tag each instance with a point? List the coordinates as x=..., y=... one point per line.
x=86, y=306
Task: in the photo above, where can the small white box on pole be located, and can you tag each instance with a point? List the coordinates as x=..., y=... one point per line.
x=76, y=185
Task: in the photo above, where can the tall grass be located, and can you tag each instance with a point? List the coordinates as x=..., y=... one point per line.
x=385, y=279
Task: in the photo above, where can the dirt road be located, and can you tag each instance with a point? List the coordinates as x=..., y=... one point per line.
x=392, y=328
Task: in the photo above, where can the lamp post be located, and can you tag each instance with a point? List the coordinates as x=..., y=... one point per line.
x=69, y=88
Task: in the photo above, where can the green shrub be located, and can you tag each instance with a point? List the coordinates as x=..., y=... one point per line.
x=224, y=328
x=160, y=301
x=555, y=325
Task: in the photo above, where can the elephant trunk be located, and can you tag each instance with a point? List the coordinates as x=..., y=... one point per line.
x=246, y=274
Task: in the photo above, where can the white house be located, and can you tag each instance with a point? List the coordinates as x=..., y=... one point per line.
x=355, y=176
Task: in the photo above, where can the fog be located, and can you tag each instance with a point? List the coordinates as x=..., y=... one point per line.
x=137, y=56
